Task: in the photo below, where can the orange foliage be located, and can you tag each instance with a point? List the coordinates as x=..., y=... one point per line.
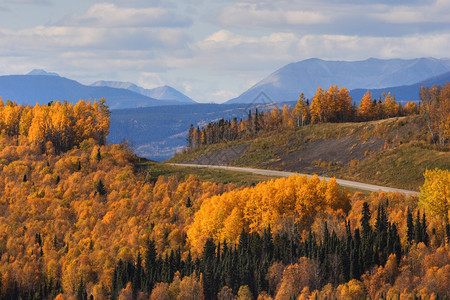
x=282, y=204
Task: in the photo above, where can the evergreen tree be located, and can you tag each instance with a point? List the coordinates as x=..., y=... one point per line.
x=365, y=221
x=136, y=282
x=150, y=266
x=208, y=261
x=98, y=156
x=410, y=226
x=81, y=291
x=418, y=229
x=425, y=237
x=100, y=188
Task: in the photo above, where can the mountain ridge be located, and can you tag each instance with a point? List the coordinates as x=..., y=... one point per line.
x=31, y=89
x=164, y=92
x=286, y=83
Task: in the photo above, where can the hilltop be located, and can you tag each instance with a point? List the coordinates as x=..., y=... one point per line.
x=392, y=152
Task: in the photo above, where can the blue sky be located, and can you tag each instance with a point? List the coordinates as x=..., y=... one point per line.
x=211, y=50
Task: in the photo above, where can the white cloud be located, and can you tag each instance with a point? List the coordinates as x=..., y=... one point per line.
x=254, y=15
x=223, y=95
x=438, y=12
x=55, y=38
x=112, y=16
x=150, y=80
x=382, y=18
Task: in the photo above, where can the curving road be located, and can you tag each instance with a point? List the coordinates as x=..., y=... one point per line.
x=346, y=183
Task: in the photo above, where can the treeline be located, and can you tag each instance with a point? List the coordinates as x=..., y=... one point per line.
x=332, y=105
x=254, y=264
x=58, y=126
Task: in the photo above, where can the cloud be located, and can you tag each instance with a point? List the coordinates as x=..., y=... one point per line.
x=436, y=12
x=336, y=16
x=38, y=2
x=112, y=16
x=254, y=15
x=227, y=52
x=55, y=38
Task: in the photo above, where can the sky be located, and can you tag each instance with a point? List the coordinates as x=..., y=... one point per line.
x=211, y=50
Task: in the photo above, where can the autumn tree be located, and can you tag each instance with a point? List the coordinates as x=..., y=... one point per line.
x=436, y=111
x=435, y=193
x=301, y=110
x=367, y=109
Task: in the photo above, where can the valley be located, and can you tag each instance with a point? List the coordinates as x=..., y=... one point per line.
x=318, y=198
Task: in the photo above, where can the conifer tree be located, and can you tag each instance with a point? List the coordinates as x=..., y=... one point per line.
x=410, y=226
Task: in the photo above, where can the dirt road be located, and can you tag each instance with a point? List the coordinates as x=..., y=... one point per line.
x=345, y=183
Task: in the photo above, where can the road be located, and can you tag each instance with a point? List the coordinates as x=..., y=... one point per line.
x=345, y=183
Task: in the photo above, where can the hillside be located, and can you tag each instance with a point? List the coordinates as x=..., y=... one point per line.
x=305, y=76
x=156, y=133
x=392, y=152
x=83, y=220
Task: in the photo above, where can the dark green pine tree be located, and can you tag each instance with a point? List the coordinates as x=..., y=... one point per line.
x=409, y=226
x=81, y=291
x=98, y=156
x=115, y=285
x=150, y=266
x=381, y=230
x=24, y=178
x=100, y=187
x=425, y=237
x=136, y=282
x=188, y=202
x=447, y=231
x=418, y=238
x=208, y=266
x=365, y=221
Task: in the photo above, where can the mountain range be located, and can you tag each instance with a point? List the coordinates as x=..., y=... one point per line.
x=40, y=86
x=305, y=76
x=161, y=93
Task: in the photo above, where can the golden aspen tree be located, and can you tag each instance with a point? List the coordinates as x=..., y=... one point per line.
x=390, y=106
x=301, y=110
x=436, y=112
x=366, y=108
x=316, y=109
x=345, y=111
x=435, y=193
x=411, y=108
x=286, y=117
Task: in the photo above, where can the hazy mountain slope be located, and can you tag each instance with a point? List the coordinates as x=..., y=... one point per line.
x=31, y=89
x=157, y=132
x=305, y=76
x=403, y=93
x=160, y=93
x=42, y=72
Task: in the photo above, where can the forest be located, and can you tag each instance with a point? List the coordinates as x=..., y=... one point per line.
x=80, y=219
x=331, y=106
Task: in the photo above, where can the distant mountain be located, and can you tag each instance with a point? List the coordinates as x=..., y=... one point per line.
x=305, y=76
x=160, y=93
x=42, y=72
x=403, y=93
x=32, y=89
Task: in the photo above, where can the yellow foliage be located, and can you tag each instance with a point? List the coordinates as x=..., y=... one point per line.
x=280, y=204
x=435, y=193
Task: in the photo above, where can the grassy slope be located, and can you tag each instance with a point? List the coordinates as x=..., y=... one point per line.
x=393, y=152
x=156, y=169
